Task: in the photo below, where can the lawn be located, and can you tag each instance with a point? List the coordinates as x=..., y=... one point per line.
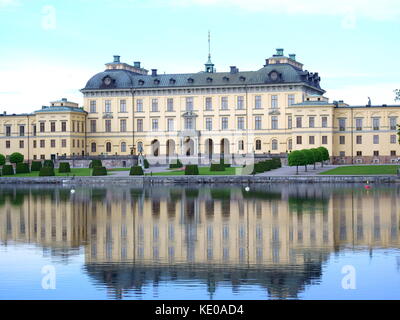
x=363, y=170
x=203, y=171
x=74, y=171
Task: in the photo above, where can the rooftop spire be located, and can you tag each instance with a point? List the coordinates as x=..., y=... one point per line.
x=209, y=65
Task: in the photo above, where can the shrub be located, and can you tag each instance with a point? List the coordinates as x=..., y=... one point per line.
x=99, y=171
x=22, y=168
x=146, y=164
x=277, y=163
x=95, y=163
x=258, y=168
x=2, y=160
x=217, y=167
x=176, y=165
x=48, y=164
x=16, y=157
x=47, y=172
x=36, y=165
x=8, y=170
x=64, y=167
x=136, y=171
x=191, y=170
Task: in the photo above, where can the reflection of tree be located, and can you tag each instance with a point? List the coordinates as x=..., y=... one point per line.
x=304, y=205
x=262, y=195
x=220, y=194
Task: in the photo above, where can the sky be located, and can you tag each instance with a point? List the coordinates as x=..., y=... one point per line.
x=50, y=49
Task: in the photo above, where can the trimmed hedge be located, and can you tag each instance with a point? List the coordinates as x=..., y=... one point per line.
x=217, y=167
x=8, y=170
x=99, y=171
x=22, y=168
x=191, y=170
x=146, y=164
x=64, y=167
x=47, y=172
x=136, y=171
x=36, y=165
x=95, y=163
x=48, y=164
x=176, y=165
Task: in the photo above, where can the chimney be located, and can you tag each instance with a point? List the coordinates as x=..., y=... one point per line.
x=292, y=56
x=279, y=52
x=136, y=64
x=116, y=59
x=154, y=72
x=234, y=69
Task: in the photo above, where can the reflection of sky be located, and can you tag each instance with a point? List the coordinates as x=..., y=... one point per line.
x=378, y=277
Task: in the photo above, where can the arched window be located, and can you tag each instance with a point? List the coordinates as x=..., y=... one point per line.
x=274, y=145
x=258, y=144
x=108, y=147
x=93, y=147
x=123, y=147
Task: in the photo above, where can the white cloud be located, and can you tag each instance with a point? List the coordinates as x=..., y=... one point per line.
x=6, y=3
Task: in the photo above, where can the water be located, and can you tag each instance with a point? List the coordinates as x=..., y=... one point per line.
x=273, y=242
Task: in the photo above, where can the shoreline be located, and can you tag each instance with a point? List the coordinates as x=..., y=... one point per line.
x=176, y=180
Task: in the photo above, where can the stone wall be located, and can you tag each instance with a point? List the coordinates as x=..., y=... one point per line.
x=108, y=163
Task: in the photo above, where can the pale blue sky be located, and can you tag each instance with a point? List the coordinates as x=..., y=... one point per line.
x=49, y=49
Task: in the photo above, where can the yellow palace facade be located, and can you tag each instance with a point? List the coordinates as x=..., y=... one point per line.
x=271, y=111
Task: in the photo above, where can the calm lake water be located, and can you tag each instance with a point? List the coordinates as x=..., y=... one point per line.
x=272, y=242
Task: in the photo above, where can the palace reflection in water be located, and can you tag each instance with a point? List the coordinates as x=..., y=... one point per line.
x=275, y=237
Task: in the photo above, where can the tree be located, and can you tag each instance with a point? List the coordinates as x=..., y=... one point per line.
x=296, y=158
x=16, y=157
x=325, y=153
x=2, y=160
x=309, y=157
x=317, y=156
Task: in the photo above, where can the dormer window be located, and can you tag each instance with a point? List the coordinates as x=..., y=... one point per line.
x=172, y=81
x=141, y=82
x=226, y=79
x=209, y=80
x=157, y=81
x=190, y=80
x=274, y=76
x=242, y=78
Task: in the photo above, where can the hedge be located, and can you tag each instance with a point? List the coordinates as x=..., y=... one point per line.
x=48, y=163
x=22, y=168
x=16, y=157
x=136, y=171
x=64, y=167
x=217, y=167
x=36, y=165
x=95, y=163
x=191, y=170
x=8, y=170
x=2, y=160
x=99, y=171
x=176, y=165
x=47, y=172
x=146, y=164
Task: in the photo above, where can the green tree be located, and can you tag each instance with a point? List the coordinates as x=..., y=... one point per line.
x=2, y=160
x=325, y=154
x=317, y=156
x=16, y=157
x=296, y=158
x=309, y=155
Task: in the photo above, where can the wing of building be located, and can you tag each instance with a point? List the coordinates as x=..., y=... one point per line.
x=204, y=115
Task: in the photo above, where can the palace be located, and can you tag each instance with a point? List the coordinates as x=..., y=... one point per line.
x=204, y=115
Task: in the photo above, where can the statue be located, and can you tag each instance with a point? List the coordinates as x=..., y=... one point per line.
x=140, y=157
x=369, y=101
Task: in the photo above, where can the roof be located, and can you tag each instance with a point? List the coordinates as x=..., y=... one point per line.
x=312, y=103
x=60, y=109
x=376, y=106
x=125, y=79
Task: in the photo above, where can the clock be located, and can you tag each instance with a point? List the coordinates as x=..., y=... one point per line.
x=274, y=75
x=107, y=81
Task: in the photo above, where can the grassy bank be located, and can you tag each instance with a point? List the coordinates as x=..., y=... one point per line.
x=363, y=170
x=204, y=171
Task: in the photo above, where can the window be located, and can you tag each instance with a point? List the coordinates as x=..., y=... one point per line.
x=21, y=144
x=92, y=108
x=258, y=144
x=240, y=123
x=240, y=102
x=93, y=125
x=73, y=143
x=139, y=125
x=257, y=102
x=122, y=124
x=77, y=141
x=154, y=124
x=8, y=144
x=8, y=131
x=189, y=104
x=375, y=123
x=299, y=123
x=73, y=126
x=324, y=139
x=63, y=126
x=359, y=153
x=34, y=130
x=241, y=145
x=311, y=122
x=122, y=106
x=42, y=127
x=93, y=147
x=311, y=140
x=274, y=101
x=289, y=122
x=393, y=153
x=42, y=143
x=139, y=105
x=290, y=99
x=376, y=139
x=342, y=124
x=63, y=143
x=123, y=147
x=274, y=122
x=342, y=139
x=257, y=124
x=224, y=123
x=189, y=124
x=52, y=143
x=299, y=140
x=170, y=124
x=324, y=122
x=393, y=138
x=376, y=153
x=34, y=144
x=359, y=124
x=393, y=123
x=108, y=125
x=208, y=103
x=208, y=124
x=274, y=144
x=342, y=154
x=224, y=103
x=154, y=105
x=358, y=139
x=107, y=106
x=170, y=104
x=21, y=131
x=108, y=147
x=290, y=144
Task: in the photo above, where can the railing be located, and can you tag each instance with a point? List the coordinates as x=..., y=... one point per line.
x=98, y=157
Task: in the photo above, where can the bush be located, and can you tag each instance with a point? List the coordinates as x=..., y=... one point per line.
x=36, y=165
x=192, y=170
x=48, y=164
x=99, y=171
x=176, y=165
x=22, y=168
x=217, y=167
x=64, y=167
x=146, y=164
x=16, y=157
x=2, y=160
x=47, y=172
x=8, y=170
x=136, y=171
x=95, y=163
